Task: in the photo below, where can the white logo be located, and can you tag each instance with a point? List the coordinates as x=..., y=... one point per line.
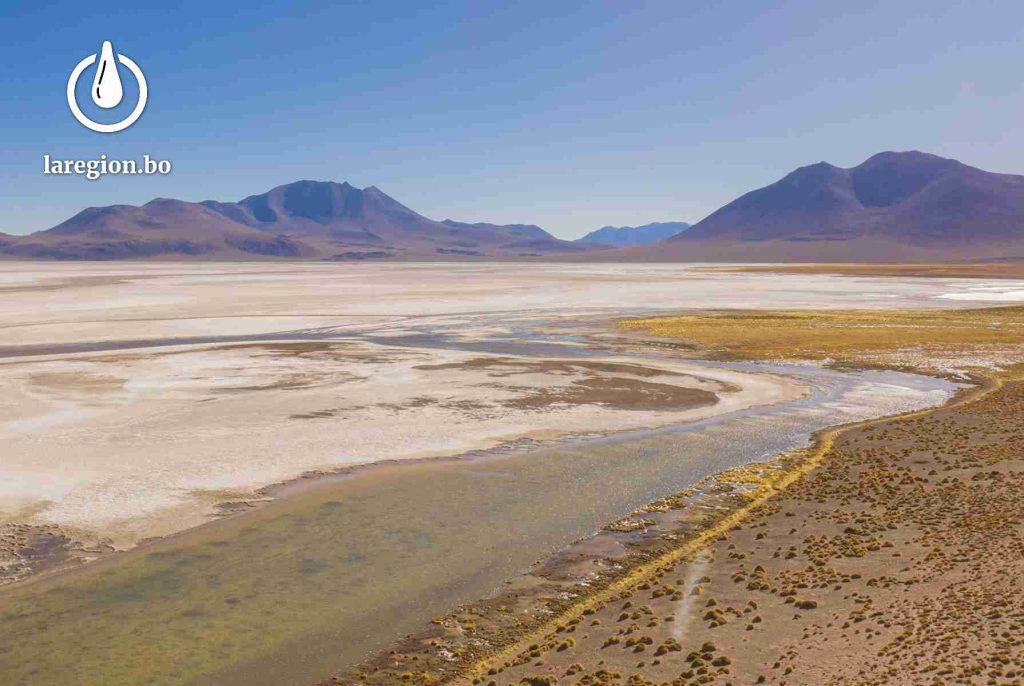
x=106, y=89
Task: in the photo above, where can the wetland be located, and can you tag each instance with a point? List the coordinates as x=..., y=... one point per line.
x=382, y=459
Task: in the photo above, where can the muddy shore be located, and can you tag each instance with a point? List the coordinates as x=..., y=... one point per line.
x=273, y=593
x=890, y=552
x=311, y=390
x=571, y=609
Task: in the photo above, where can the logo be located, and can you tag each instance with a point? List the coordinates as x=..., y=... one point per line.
x=107, y=91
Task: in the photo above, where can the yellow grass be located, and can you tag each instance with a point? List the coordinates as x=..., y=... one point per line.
x=818, y=335
x=811, y=458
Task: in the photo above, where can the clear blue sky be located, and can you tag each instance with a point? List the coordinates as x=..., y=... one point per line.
x=565, y=114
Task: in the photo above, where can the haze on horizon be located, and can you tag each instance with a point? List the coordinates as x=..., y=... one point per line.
x=569, y=116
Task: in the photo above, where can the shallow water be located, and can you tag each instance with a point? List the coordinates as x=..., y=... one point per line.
x=311, y=583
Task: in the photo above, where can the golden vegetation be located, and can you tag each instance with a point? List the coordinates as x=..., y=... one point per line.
x=889, y=552
x=898, y=559
x=843, y=336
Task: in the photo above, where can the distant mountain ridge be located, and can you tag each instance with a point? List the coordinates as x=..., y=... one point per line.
x=301, y=220
x=634, y=235
x=895, y=206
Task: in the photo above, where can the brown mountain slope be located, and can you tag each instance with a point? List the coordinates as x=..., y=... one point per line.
x=894, y=207
x=524, y=240
x=161, y=227
x=302, y=220
x=353, y=223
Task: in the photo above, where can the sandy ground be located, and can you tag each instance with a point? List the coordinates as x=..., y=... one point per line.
x=891, y=552
x=340, y=566
x=135, y=399
x=895, y=556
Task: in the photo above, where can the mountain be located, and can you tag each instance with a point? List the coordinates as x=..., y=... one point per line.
x=161, y=227
x=325, y=209
x=896, y=206
x=301, y=220
x=528, y=239
x=619, y=236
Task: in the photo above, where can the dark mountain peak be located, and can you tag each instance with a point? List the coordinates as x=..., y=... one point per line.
x=892, y=205
x=888, y=178
x=807, y=200
x=326, y=208
x=384, y=201
x=812, y=173
x=906, y=157
x=318, y=201
x=821, y=167
x=309, y=185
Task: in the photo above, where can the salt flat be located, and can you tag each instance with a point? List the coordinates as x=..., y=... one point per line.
x=202, y=383
x=50, y=303
x=123, y=445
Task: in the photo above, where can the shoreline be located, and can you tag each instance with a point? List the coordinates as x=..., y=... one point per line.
x=270, y=591
x=746, y=490
x=591, y=395
x=91, y=548
x=281, y=531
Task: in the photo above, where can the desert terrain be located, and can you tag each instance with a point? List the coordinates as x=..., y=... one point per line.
x=305, y=448
x=888, y=552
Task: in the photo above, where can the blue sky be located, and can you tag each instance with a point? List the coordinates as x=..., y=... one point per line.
x=565, y=114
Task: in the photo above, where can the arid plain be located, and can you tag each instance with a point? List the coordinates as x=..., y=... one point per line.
x=144, y=400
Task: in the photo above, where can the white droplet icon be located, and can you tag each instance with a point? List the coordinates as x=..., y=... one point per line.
x=107, y=91
x=106, y=85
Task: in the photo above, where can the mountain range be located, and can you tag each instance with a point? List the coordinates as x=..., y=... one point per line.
x=895, y=206
x=302, y=220
x=633, y=235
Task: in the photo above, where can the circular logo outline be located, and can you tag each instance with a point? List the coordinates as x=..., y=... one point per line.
x=76, y=73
